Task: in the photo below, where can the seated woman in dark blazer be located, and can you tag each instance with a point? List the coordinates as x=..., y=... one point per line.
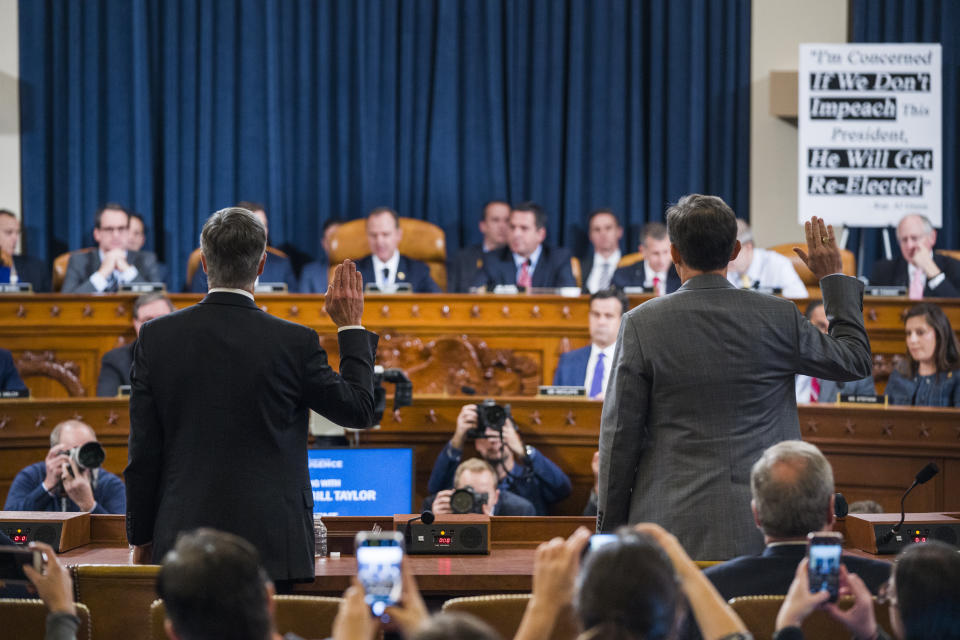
x=930, y=374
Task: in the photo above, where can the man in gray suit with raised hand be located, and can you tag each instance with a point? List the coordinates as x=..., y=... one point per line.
x=703, y=382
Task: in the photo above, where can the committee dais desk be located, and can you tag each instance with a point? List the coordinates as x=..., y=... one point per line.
x=493, y=344
x=875, y=451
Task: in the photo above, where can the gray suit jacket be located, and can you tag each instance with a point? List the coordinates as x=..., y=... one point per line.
x=862, y=387
x=703, y=382
x=83, y=265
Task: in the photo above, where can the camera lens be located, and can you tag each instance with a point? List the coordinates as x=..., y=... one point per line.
x=462, y=501
x=90, y=455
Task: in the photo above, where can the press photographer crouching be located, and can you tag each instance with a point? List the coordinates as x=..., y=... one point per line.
x=475, y=491
x=70, y=478
x=520, y=469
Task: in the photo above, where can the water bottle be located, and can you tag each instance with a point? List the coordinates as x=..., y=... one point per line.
x=319, y=537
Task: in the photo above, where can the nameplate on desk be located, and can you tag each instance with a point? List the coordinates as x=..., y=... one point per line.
x=566, y=292
x=142, y=287
x=397, y=287
x=885, y=292
x=123, y=391
x=506, y=289
x=560, y=390
x=14, y=393
x=637, y=291
x=770, y=291
x=16, y=287
x=270, y=287
x=853, y=398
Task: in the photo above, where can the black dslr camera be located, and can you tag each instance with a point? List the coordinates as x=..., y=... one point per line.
x=490, y=415
x=403, y=393
x=467, y=500
x=87, y=456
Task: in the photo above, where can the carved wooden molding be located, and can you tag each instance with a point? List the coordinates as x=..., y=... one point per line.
x=46, y=364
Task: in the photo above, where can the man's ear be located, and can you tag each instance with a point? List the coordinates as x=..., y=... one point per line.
x=735, y=252
x=271, y=603
x=542, y=234
x=756, y=517
x=831, y=513
x=203, y=263
x=168, y=629
x=263, y=261
x=674, y=255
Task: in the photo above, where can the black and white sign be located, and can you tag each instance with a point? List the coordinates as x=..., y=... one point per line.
x=870, y=133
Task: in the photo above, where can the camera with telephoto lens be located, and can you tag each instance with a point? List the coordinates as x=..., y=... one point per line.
x=490, y=415
x=403, y=392
x=467, y=500
x=87, y=456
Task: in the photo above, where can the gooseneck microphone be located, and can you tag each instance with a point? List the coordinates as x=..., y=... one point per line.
x=922, y=476
x=426, y=517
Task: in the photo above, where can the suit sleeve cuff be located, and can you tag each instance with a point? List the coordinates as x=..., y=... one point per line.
x=350, y=327
x=936, y=281
x=129, y=274
x=98, y=281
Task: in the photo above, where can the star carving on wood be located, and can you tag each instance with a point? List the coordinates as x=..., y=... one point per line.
x=923, y=431
x=396, y=416
x=385, y=311
x=87, y=311
x=565, y=312
x=121, y=311
x=888, y=430
x=113, y=417
x=40, y=420
x=415, y=311
x=432, y=416
x=571, y=418
x=445, y=311
x=535, y=418
x=850, y=427
x=294, y=311
x=505, y=311
x=475, y=311
x=811, y=426
x=21, y=311
x=4, y=421
x=872, y=314
x=76, y=416
x=535, y=312
x=55, y=311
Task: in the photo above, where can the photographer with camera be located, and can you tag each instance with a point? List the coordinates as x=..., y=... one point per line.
x=475, y=491
x=520, y=469
x=70, y=478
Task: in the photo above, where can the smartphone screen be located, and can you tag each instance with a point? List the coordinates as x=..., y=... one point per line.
x=379, y=570
x=12, y=560
x=597, y=540
x=823, y=551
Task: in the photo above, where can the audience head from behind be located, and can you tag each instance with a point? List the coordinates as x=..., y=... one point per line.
x=655, y=246
x=233, y=248
x=111, y=227
x=604, y=231
x=628, y=588
x=137, y=234
x=461, y=626
x=383, y=232
x=213, y=587
x=916, y=237
x=932, y=345
x=703, y=235
x=607, y=306
x=924, y=592
x=495, y=225
x=150, y=306
x=528, y=228
x=793, y=491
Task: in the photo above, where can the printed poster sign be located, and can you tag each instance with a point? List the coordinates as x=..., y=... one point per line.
x=870, y=141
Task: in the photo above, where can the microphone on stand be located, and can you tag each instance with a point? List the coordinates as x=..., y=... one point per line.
x=922, y=476
x=426, y=517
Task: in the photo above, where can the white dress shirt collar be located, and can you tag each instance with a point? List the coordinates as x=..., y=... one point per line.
x=391, y=265
x=242, y=292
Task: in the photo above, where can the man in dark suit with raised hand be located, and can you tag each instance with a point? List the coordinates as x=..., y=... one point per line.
x=924, y=273
x=386, y=266
x=218, y=412
x=703, y=382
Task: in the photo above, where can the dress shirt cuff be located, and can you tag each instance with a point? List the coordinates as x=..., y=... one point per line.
x=93, y=509
x=129, y=274
x=50, y=492
x=452, y=452
x=98, y=281
x=936, y=281
x=350, y=326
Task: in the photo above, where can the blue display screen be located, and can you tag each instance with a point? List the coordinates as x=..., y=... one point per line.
x=361, y=482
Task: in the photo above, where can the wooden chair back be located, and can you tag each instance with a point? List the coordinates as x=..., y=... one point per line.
x=193, y=262
x=118, y=597
x=630, y=259
x=504, y=612
x=577, y=271
x=24, y=618
x=60, y=267
x=759, y=614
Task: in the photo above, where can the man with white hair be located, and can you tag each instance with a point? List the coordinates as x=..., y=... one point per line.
x=924, y=273
x=756, y=267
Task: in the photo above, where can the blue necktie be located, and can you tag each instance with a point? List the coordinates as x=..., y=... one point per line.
x=596, y=385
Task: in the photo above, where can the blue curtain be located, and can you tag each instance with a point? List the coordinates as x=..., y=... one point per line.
x=327, y=109
x=920, y=21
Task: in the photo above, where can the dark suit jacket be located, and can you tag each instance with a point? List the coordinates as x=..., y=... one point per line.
x=572, y=367
x=552, y=270
x=463, y=268
x=634, y=276
x=9, y=376
x=275, y=269
x=895, y=273
x=408, y=270
x=218, y=426
x=771, y=572
x=34, y=271
x=313, y=278
x=83, y=265
x=115, y=370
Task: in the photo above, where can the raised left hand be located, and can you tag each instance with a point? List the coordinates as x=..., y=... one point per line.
x=76, y=484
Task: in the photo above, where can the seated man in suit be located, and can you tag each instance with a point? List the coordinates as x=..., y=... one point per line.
x=924, y=273
x=479, y=475
x=599, y=266
x=526, y=261
x=793, y=494
x=15, y=268
x=112, y=264
x=137, y=237
x=656, y=271
x=277, y=268
x=9, y=376
x=821, y=390
x=756, y=267
x=57, y=484
x=115, y=364
x=385, y=266
x=465, y=267
x=521, y=469
x=313, y=278
x=590, y=366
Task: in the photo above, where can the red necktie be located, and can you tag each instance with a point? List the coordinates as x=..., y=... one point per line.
x=814, y=389
x=656, y=285
x=524, y=280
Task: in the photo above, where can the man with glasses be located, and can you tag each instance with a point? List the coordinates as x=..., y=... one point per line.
x=112, y=264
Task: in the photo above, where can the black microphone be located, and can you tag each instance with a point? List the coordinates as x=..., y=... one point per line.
x=426, y=517
x=922, y=476
x=840, y=506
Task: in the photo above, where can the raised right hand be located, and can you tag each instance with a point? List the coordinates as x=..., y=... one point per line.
x=54, y=463
x=344, y=299
x=822, y=256
x=466, y=420
x=441, y=502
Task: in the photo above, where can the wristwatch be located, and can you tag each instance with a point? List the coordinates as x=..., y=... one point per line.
x=529, y=451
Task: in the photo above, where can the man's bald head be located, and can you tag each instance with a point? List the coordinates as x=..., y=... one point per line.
x=792, y=485
x=72, y=433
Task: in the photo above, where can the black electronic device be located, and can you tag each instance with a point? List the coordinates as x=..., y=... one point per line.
x=823, y=562
x=466, y=500
x=450, y=534
x=490, y=415
x=12, y=561
x=871, y=532
x=380, y=568
x=61, y=530
x=922, y=477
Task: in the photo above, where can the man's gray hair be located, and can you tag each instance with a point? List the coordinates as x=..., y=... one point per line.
x=791, y=484
x=744, y=232
x=927, y=225
x=233, y=242
x=55, y=434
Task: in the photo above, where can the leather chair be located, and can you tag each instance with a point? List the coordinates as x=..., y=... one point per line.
x=306, y=616
x=193, y=263
x=60, y=267
x=577, y=271
x=812, y=284
x=630, y=259
x=118, y=597
x=950, y=253
x=759, y=614
x=504, y=612
x=421, y=240
x=28, y=619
